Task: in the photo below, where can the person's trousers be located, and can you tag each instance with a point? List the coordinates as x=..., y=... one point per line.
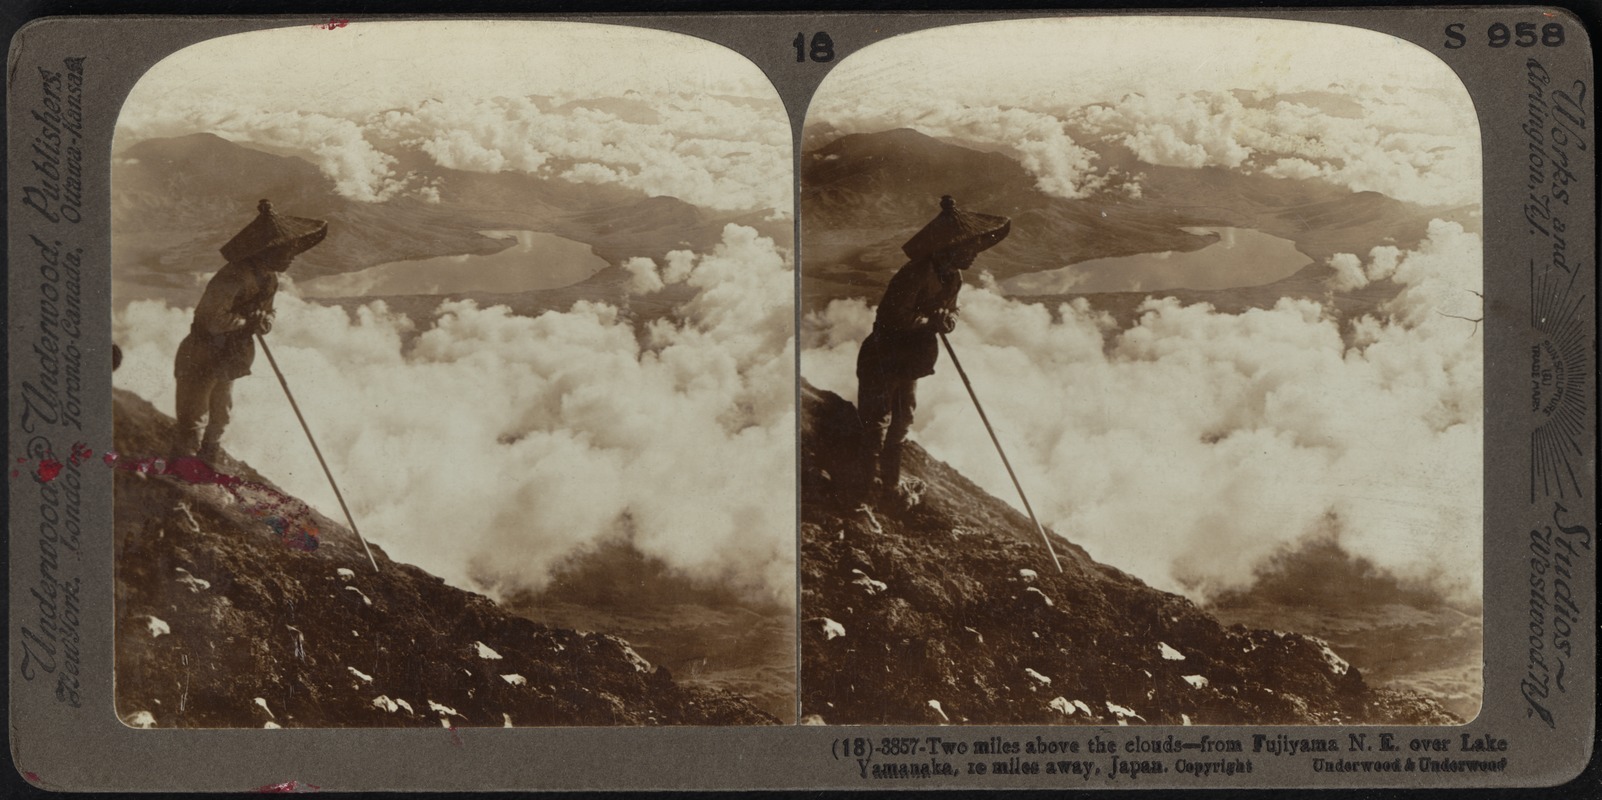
x=204, y=407
x=885, y=408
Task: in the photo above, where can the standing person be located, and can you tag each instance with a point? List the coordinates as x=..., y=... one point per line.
x=237, y=305
x=919, y=304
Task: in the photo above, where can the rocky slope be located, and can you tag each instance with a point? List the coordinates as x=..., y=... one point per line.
x=238, y=606
x=953, y=612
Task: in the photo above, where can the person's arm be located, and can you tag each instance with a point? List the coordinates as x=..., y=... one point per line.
x=215, y=313
x=898, y=310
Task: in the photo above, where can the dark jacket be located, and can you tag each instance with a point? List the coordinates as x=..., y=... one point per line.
x=905, y=342
x=219, y=343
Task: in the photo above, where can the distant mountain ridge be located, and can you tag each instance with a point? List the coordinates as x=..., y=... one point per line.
x=953, y=613
x=864, y=194
x=176, y=200
x=219, y=623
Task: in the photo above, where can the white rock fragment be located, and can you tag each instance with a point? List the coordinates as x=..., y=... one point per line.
x=635, y=659
x=358, y=673
x=1061, y=705
x=935, y=704
x=382, y=701
x=262, y=701
x=405, y=705
x=300, y=642
x=813, y=719
x=442, y=710
x=1198, y=681
x=1041, y=679
x=639, y=662
x=484, y=651
x=1043, y=596
x=1123, y=713
x=365, y=599
x=832, y=629
x=1184, y=719
x=976, y=634
x=1336, y=664
x=1028, y=574
x=1080, y=704
x=346, y=574
x=1169, y=653
x=196, y=585
x=515, y=679
x=270, y=725
x=444, y=723
x=506, y=720
x=868, y=584
x=140, y=719
x=194, y=526
x=157, y=627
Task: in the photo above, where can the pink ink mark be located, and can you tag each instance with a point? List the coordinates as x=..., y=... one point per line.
x=287, y=787
x=286, y=516
x=33, y=778
x=332, y=24
x=456, y=738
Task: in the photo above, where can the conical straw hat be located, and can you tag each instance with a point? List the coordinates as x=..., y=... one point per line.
x=953, y=227
x=270, y=230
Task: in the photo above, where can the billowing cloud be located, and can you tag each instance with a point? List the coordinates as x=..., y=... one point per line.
x=490, y=447
x=1193, y=446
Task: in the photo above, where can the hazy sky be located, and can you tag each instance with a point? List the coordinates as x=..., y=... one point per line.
x=371, y=66
x=1095, y=59
x=662, y=113
x=1352, y=107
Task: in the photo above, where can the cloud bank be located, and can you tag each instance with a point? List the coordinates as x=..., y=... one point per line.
x=566, y=101
x=716, y=152
x=1194, y=446
x=1288, y=99
x=494, y=446
x=1415, y=145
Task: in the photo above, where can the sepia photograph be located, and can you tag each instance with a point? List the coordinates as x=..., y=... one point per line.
x=1142, y=379
x=454, y=381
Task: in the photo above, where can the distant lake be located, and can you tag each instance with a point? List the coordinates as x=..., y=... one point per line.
x=536, y=261
x=1240, y=257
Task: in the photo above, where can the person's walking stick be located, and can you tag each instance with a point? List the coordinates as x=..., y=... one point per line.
x=1002, y=453
x=303, y=426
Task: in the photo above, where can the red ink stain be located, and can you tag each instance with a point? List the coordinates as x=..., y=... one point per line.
x=285, y=516
x=33, y=778
x=456, y=738
x=287, y=787
x=332, y=24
